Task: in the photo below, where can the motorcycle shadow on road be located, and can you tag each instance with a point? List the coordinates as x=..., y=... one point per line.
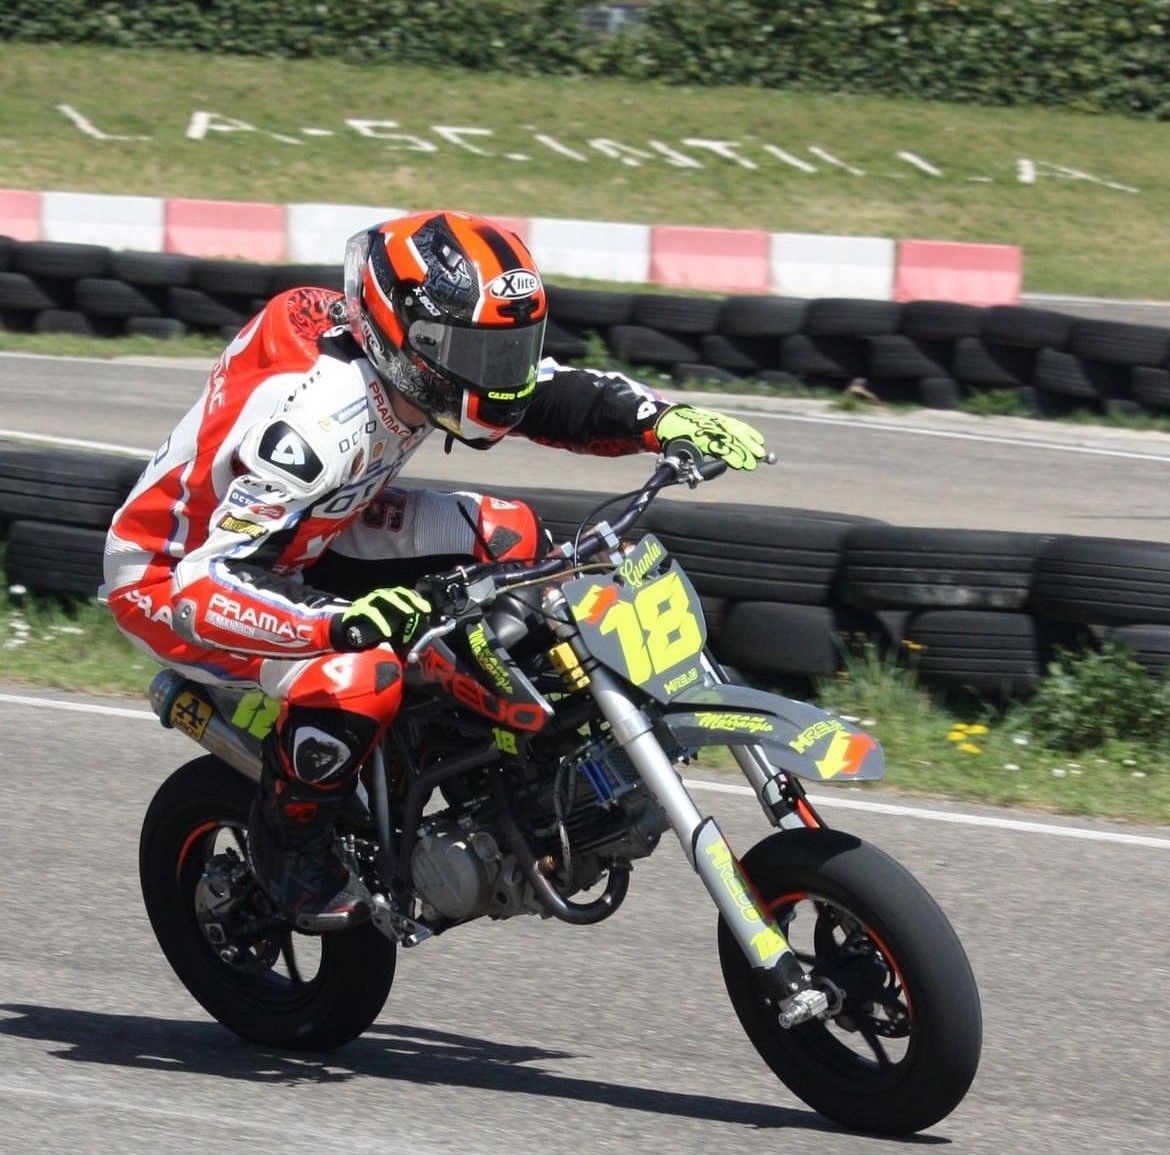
x=404, y=1053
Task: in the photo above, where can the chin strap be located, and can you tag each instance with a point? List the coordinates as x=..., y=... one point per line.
x=448, y=443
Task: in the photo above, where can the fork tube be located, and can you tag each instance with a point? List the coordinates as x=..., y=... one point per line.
x=631, y=730
x=703, y=843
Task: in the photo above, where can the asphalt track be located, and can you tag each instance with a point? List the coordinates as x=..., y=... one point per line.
x=934, y=468
x=535, y=1037
x=538, y=1037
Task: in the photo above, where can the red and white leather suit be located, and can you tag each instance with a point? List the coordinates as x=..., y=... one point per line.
x=290, y=452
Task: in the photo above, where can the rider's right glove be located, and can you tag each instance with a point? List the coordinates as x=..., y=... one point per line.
x=393, y=614
x=736, y=442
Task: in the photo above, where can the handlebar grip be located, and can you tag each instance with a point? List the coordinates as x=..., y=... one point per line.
x=681, y=447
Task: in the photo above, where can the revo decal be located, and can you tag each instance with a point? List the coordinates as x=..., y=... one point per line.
x=285, y=449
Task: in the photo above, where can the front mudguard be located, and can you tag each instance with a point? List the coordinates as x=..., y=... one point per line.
x=797, y=738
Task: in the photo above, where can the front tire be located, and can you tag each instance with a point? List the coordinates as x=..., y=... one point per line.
x=265, y=994
x=903, y=1047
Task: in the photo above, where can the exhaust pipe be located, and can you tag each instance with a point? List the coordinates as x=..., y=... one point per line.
x=187, y=706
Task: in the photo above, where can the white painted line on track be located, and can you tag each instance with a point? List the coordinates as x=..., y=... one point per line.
x=738, y=411
x=74, y=443
x=894, y=810
x=950, y=434
x=958, y=818
x=78, y=707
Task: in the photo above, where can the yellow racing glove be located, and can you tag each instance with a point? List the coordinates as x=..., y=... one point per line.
x=735, y=441
x=393, y=614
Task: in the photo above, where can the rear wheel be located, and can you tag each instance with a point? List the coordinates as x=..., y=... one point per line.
x=244, y=965
x=900, y=1051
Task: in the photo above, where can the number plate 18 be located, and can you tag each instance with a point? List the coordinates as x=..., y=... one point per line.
x=646, y=626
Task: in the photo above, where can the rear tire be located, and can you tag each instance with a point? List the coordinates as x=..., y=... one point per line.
x=201, y=808
x=903, y=1050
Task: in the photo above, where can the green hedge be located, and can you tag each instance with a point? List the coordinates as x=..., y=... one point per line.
x=532, y=37
x=1088, y=54
x=1094, y=55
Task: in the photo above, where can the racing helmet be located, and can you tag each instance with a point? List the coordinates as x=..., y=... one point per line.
x=450, y=310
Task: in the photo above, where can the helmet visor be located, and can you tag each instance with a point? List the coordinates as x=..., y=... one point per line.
x=498, y=363
x=357, y=253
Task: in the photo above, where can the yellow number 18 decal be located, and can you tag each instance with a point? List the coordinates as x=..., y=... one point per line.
x=657, y=630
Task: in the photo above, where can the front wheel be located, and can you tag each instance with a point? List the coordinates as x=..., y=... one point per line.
x=258, y=978
x=901, y=1048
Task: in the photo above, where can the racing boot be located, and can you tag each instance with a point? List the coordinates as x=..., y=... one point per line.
x=290, y=840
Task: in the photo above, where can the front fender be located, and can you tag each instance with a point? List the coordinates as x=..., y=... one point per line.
x=798, y=738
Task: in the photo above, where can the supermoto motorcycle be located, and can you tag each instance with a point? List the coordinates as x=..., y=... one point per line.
x=536, y=754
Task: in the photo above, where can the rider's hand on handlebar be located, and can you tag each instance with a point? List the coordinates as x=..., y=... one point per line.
x=728, y=438
x=394, y=614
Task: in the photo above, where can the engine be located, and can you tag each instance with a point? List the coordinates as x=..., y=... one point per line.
x=461, y=873
x=598, y=799
x=590, y=810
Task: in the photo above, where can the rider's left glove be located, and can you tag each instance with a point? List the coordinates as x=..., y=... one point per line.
x=735, y=441
x=393, y=614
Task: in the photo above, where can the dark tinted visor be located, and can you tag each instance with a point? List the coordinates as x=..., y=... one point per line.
x=497, y=361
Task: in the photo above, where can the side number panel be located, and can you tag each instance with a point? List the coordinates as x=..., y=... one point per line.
x=651, y=632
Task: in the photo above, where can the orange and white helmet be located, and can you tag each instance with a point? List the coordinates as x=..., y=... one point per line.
x=450, y=310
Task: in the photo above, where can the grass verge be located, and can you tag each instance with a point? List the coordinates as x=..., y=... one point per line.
x=1088, y=197
x=78, y=648
x=979, y=755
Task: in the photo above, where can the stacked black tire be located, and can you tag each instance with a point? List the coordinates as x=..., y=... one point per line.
x=55, y=507
x=89, y=290
x=932, y=353
x=792, y=595
x=788, y=593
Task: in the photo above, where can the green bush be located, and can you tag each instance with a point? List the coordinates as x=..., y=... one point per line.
x=1098, y=696
x=1094, y=55
x=1090, y=54
x=539, y=36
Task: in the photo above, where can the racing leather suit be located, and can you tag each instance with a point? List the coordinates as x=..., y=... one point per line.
x=290, y=453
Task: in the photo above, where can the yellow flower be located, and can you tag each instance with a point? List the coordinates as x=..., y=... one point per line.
x=970, y=748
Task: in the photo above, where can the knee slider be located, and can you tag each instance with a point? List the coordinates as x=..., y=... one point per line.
x=324, y=747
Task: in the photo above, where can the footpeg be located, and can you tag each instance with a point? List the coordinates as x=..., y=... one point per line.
x=397, y=926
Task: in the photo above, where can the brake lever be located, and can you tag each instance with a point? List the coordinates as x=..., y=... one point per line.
x=414, y=654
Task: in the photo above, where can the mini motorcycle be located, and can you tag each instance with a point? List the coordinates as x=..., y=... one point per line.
x=535, y=756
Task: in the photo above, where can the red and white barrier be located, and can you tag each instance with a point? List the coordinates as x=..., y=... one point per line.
x=250, y=231
x=595, y=249
x=115, y=222
x=810, y=265
x=317, y=233
x=721, y=260
x=729, y=260
x=970, y=273
x=20, y=214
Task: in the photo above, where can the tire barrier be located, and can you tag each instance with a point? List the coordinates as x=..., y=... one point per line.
x=789, y=593
x=939, y=354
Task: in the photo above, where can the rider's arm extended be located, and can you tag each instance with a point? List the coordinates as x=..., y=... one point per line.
x=589, y=411
x=230, y=592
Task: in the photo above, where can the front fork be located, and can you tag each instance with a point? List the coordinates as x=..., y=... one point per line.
x=761, y=940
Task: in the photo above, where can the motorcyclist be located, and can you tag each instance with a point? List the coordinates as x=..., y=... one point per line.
x=284, y=470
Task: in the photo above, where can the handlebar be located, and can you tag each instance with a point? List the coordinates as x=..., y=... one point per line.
x=455, y=591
